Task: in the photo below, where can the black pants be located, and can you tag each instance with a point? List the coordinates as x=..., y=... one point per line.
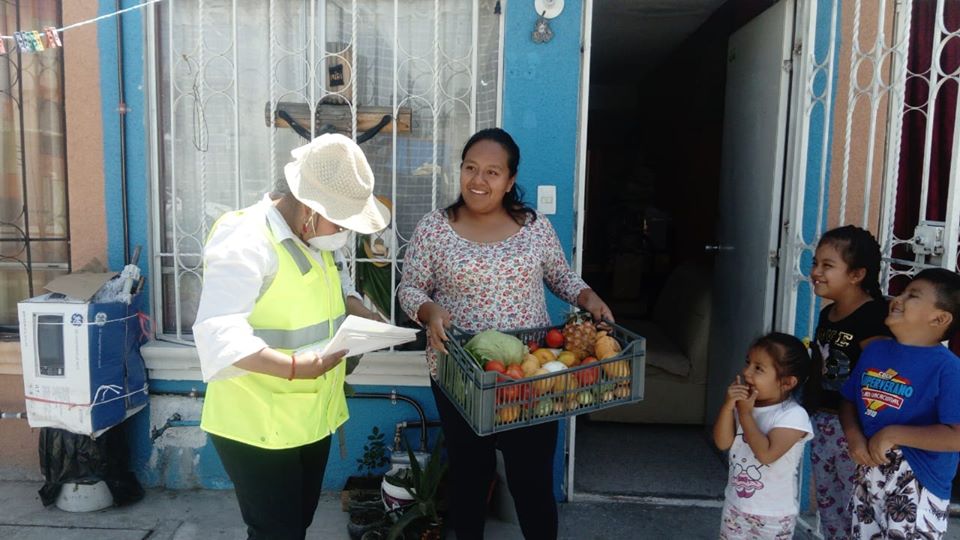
x=277, y=490
x=528, y=459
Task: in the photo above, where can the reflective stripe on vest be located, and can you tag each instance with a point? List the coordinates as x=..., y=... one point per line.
x=299, y=257
x=294, y=339
x=298, y=308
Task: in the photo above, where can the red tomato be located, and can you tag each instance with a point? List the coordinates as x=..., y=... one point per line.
x=495, y=365
x=554, y=339
x=507, y=394
x=533, y=345
x=525, y=394
x=588, y=376
x=516, y=393
x=515, y=371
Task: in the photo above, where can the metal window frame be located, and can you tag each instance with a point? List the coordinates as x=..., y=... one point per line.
x=895, y=52
x=155, y=151
x=29, y=266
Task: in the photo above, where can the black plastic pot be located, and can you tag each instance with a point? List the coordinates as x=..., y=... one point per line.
x=365, y=517
x=360, y=489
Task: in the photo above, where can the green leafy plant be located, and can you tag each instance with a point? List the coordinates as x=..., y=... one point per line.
x=422, y=483
x=374, y=454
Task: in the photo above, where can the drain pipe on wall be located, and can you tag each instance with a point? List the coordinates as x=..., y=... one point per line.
x=122, y=111
x=5, y=415
x=398, y=433
x=176, y=420
x=192, y=393
x=393, y=396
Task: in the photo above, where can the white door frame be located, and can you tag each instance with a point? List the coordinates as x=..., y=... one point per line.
x=581, y=197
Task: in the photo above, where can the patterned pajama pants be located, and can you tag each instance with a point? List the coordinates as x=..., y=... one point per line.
x=738, y=525
x=889, y=502
x=833, y=473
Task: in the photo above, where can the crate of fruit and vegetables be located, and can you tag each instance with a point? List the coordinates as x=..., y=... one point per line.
x=501, y=380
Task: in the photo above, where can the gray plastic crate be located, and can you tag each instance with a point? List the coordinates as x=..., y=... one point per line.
x=491, y=403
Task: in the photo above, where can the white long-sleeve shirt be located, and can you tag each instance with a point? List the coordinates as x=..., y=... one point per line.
x=239, y=264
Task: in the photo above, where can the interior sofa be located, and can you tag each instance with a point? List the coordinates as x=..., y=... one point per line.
x=677, y=344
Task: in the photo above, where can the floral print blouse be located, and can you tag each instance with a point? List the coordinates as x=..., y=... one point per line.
x=496, y=285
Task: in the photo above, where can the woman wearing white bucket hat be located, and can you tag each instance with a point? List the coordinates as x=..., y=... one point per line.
x=271, y=286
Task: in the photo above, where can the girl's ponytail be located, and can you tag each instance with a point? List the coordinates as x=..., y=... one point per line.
x=874, y=291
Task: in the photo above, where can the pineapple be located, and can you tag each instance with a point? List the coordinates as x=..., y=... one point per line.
x=579, y=334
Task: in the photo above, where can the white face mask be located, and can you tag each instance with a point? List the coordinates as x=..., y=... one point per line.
x=329, y=242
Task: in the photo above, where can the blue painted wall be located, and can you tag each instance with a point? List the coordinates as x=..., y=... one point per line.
x=134, y=121
x=186, y=468
x=541, y=89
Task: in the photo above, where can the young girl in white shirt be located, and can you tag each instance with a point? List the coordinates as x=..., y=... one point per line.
x=764, y=428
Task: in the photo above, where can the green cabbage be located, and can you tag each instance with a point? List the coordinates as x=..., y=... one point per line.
x=493, y=345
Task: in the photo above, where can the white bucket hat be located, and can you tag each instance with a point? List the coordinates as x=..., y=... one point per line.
x=331, y=175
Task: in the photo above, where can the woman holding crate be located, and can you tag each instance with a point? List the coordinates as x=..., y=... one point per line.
x=481, y=263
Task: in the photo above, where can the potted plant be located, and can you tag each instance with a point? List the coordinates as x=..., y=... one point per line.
x=361, y=494
x=366, y=516
x=366, y=485
x=420, y=519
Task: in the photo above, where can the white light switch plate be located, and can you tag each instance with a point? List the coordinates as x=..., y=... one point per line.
x=547, y=199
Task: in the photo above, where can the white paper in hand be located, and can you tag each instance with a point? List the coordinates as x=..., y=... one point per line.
x=359, y=336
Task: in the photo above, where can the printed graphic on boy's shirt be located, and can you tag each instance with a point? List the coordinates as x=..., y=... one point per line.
x=746, y=481
x=882, y=389
x=836, y=365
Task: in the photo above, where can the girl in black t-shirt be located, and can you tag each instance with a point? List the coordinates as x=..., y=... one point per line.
x=846, y=270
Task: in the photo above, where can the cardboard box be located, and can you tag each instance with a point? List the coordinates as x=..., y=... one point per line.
x=82, y=369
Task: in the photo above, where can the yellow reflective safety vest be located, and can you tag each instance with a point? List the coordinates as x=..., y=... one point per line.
x=303, y=305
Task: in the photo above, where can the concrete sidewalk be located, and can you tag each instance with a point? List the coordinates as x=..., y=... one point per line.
x=210, y=515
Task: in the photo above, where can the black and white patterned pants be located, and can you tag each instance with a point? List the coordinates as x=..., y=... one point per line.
x=889, y=503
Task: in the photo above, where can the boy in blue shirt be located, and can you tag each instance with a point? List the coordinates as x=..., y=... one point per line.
x=901, y=415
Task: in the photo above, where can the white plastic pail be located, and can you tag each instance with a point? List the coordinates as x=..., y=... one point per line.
x=394, y=497
x=84, y=497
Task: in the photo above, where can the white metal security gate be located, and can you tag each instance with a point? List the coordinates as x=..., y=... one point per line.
x=875, y=139
x=223, y=71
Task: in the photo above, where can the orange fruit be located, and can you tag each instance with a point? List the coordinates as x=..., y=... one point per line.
x=508, y=414
x=617, y=369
